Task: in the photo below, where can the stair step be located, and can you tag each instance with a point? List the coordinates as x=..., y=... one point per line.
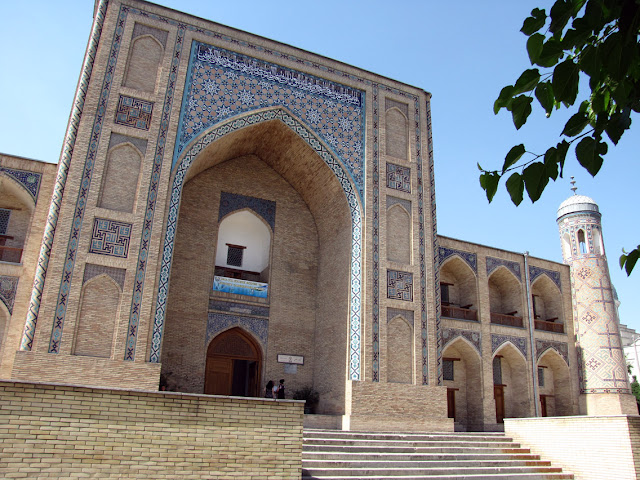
x=457, y=463
x=482, y=476
x=347, y=456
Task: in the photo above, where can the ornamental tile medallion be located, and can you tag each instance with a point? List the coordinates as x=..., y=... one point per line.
x=134, y=112
x=110, y=238
x=400, y=285
x=398, y=177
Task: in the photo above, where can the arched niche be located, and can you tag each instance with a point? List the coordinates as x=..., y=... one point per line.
x=546, y=300
x=397, y=133
x=398, y=239
x=505, y=298
x=399, y=351
x=510, y=376
x=273, y=157
x=97, y=317
x=121, y=177
x=18, y=207
x=462, y=367
x=555, y=387
x=144, y=60
x=566, y=245
x=5, y=316
x=583, y=247
x=458, y=289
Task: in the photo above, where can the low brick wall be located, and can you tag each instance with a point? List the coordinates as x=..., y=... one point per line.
x=59, y=431
x=592, y=448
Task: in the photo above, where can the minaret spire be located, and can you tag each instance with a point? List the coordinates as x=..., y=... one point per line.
x=573, y=185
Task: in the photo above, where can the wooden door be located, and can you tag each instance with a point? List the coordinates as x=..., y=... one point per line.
x=233, y=365
x=498, y=396
x=451, y=402
x=543, y=405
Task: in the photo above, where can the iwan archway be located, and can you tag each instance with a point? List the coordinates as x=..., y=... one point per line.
x=265, y=160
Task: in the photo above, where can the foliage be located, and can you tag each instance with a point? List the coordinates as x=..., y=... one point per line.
x=635, y=389
x=589, y=39
x=307, y=393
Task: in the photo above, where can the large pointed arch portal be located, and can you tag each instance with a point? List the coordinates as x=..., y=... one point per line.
x=218, y=133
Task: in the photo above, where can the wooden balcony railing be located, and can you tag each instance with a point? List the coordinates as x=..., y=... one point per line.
x=10, y=254
x=450, y=311
x=549, y=326
x=508, y=320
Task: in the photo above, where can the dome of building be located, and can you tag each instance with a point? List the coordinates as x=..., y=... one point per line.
x=575, y=204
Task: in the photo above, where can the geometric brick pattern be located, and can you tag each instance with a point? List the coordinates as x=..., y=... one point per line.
x=134, y=112
x=400, y=285
x=110, y=238
x=498, y=340
x=8, y=288
x=398, y=177
x=513, y=267
x=470, y=258
x=375, y=294
x=222, y=84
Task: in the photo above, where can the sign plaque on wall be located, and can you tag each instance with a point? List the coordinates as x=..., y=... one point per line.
x=295, y=359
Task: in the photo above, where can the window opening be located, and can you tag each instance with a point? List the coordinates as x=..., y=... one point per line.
x=582, y=242
x=541, y=377
x=497, y=370
x=447, y=369
x=234, y=255
x=534, y=303
x=444, y=293
x=5, y=213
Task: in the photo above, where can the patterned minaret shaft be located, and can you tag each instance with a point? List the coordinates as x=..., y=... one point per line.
x=603, y=366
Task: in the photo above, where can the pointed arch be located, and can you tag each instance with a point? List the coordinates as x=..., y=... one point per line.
x=121, y=178
x=398, y=240
x=400, y=350
x=145, y=55
x=182, y=172
x=396, y=133
x=505, y=297
x=555, y=385
x=513, y=381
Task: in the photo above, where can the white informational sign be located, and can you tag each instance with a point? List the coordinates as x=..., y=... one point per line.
x=240, y=287
x=295, y=359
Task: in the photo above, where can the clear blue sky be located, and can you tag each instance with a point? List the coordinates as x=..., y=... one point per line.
x=462, y=52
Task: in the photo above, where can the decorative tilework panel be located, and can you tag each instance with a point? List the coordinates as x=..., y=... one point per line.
x=535, y=272
x=218, y=322
x=30, y=181
x=110, y=237
x=134, y=112
x=498, y=340
x=561, y=348
x=470, y=258
x=403, y=107
x=117, y=139
x=450, y=334
x=91, y=271
x=8, y=288
x=400, y=285
x=391, y=201
x=231, y=202
x=5, y=215
x=396, y=312
x=161, y=35
x=238, y=308
x=375, y=307
x=434, y=242
x=221, y=84
x=399, y=177
x=513, y=267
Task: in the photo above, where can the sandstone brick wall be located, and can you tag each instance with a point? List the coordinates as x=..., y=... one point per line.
x=592, y=448
x=55, y=431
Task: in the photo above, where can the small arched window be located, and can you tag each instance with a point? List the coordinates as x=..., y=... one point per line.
x=566, y=245
x=598, y=248
x=582, y=242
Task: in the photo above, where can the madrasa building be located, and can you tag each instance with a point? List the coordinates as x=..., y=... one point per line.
x=228, y=210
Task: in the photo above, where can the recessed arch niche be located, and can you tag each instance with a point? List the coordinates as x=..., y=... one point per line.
x=267, y=160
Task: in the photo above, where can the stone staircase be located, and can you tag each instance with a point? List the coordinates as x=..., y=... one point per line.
x=334, y=454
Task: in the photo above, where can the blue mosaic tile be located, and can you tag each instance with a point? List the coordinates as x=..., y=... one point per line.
x=450, y=334
x=110, y=238
x=400, y=285
x=519, y=342
x=231, y=202
x=375, y=307
x=470, y=258
x=535, y=272
x=8, y=289
x=238, y=308
x=30, y=181
x=218, y=322
x=134, y=112
x=561, y=348
x=398, y=177
x=222, y=84
x=513, y=267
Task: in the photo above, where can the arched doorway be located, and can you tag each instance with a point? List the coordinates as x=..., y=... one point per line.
x=234, y=363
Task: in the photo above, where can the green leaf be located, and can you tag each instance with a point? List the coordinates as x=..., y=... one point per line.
x=535, y=22
x=535, y=180
x=576, y=124
x=513, y=156
x=552, y=52
x=520, y=110
x=515, y=187
x=565, y=82
x=588, y=153
x=534, y=47
x=504, y=99
x=560, y=14
x=617, y=124
x=561, y=154
x=551, y=163
x=489, y=183
x=600, y=101
x=629, y=260
x=544, y=94
x=527, y=81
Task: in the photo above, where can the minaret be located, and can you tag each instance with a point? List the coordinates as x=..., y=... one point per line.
x=604, y=388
